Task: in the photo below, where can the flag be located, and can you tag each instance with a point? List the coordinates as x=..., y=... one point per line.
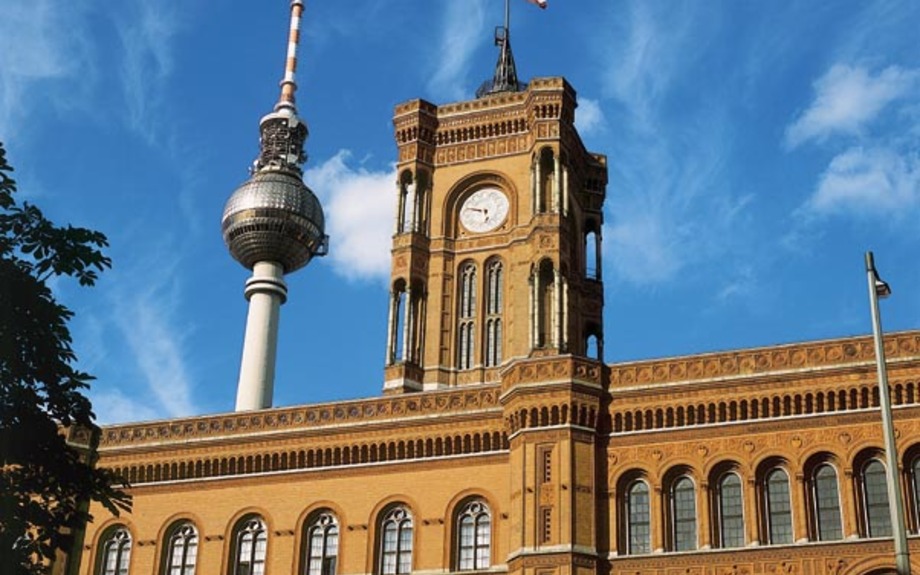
x=540, y=3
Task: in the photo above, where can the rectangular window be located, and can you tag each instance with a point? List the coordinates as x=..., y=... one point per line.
x=546, y=527
x=546, y=457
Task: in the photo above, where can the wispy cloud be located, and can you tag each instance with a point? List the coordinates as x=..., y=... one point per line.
x=40, y=46
x=146, y=35
x=137, y=338
x=847, y=98
x=589, y=117
x=463, y=24
x=674, y=201
x=359, y=207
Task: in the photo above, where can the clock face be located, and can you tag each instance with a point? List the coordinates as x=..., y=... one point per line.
x=485, y=210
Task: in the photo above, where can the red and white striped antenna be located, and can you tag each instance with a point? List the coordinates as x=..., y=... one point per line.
x=288, y=83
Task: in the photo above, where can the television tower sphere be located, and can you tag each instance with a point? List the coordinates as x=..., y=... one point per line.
x=274, y=217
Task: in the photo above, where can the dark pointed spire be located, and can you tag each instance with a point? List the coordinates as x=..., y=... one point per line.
x=505, y=78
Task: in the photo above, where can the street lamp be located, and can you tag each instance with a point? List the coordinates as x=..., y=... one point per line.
x=879, y=289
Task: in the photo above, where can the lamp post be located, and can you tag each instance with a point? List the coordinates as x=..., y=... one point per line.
x=880, y=289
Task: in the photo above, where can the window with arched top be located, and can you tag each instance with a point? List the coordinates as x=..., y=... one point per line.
x=250, y=544
x=683, y=514
x=321, y=544
x=493, y=335
x=777, y=506
x=116, y=552
x=466, y=317
x=826, y=503
x=730, y=511
x=474, y=536
x=395, y=542
x=874, y=493
x=638, y=518
x=181, y=549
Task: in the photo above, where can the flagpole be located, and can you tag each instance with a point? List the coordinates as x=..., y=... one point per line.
x=507, y=17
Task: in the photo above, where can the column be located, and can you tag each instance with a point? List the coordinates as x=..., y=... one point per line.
x=657, y=517
x=751, y=523
x=598, y=242
x=407, y=322
x=703, y=512
x=391, y=329
x=565, y=314
x=800, y=510
x=848, y=507
x=539, y=185
x=535, y=308
x=533, y=188
x=411, y=200
x=266, y=291
x=400, y=207
x=557, y=183
x=565, y=191
x=557, y=308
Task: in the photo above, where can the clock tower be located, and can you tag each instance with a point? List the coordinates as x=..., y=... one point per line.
x=497, y=240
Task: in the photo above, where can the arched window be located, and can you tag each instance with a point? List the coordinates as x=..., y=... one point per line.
x=826, y=504
x=875, y=499
x=116, y=552
x=395, y=542
x=250, y=540
x=474, y=536
x=466, y=316
x=730, y=512
x=638, y=519
x=778, y=507
x=494, y=286
x=683, y=515
x=182, y=550
x=321, y=543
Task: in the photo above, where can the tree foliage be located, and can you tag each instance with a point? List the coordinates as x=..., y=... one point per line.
x=45, y=482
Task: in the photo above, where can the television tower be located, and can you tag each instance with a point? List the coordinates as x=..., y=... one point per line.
x=273, y=225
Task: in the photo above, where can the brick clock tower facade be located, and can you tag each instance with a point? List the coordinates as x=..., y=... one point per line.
x=496, y=279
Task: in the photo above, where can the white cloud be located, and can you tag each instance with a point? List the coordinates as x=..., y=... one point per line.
x=846, y=99
x=40, y=42
x=360, y=207
x=463, y=28
x=589, y=117
x=112, y=406
x=875, y=182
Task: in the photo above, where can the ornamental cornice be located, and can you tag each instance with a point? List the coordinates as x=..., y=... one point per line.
x=807, y=357
x=255, y=424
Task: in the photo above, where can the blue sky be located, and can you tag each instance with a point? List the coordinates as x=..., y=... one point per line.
x=756, y=151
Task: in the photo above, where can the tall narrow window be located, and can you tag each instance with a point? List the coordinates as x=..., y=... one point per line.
x=638, y=524
x=250, y=543
x=474, y=536
x=683, y=514
x=182, y=550
x=827, y=504
x=875, y=499
x=396, y=542
x=322, y=545
x=466, y=317
x=116, y=553
x=494, y=284
x=779, y=507
x=731, y=512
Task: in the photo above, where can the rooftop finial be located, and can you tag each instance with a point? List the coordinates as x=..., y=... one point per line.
x=505, y=78
x=288, y=84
